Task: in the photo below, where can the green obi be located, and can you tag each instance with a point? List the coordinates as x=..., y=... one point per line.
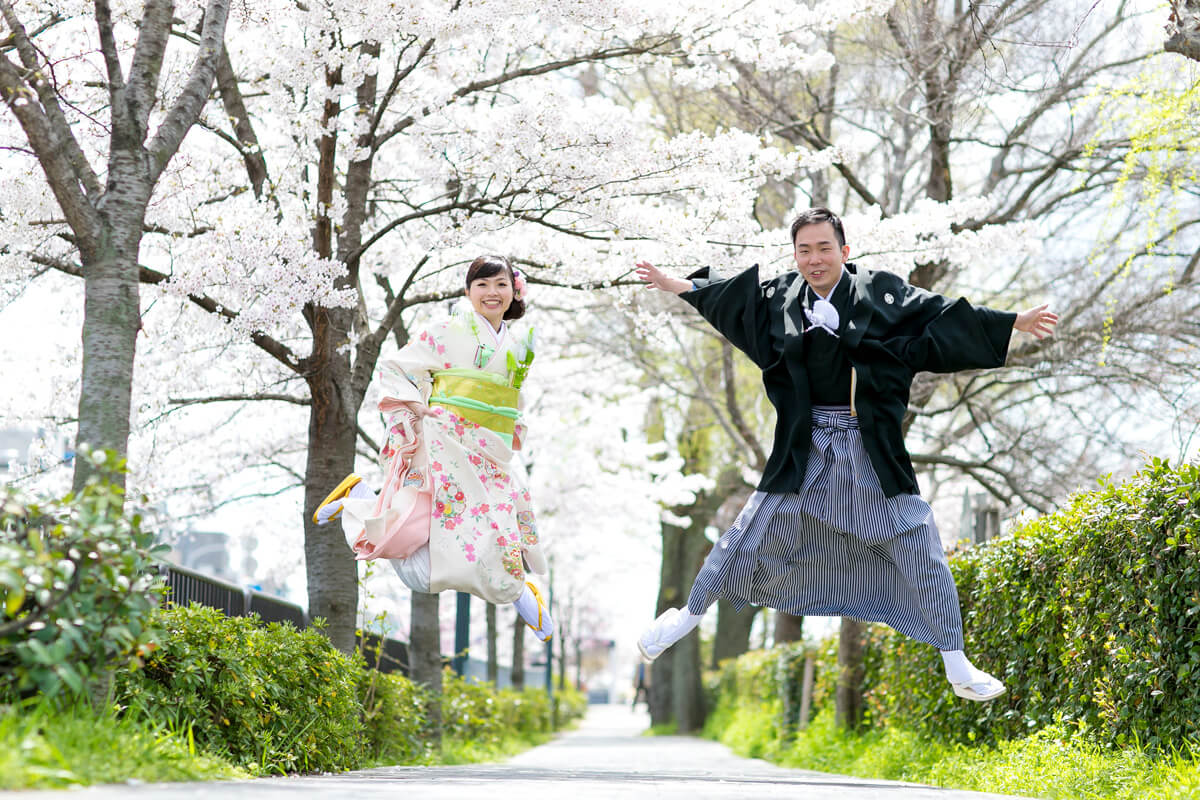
x=484, y=398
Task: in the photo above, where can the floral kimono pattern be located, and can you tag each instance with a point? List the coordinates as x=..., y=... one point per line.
x=450, y=483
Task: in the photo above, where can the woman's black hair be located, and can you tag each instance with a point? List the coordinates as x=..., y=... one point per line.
x=486, y=267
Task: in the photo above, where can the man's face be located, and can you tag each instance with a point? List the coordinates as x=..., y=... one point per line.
x=819, y=257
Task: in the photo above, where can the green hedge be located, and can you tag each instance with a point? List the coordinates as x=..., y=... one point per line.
x=266, y=697
x=1090, y=615
x=273, y=699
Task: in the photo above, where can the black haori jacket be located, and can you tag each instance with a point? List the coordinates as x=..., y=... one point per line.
x=892, y=331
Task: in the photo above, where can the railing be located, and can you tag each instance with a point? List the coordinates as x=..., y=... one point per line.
x=185, y=586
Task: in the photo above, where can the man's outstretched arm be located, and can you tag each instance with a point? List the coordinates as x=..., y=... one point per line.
x=655, y=278
x=1037, y=321
x=734, y=306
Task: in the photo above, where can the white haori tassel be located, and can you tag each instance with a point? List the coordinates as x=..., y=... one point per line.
x=822, y=315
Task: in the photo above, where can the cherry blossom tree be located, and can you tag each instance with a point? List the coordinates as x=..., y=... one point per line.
x=355, y=164
x=99, y=216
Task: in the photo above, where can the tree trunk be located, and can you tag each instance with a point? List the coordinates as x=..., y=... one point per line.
x=578, y=663
x=670, y=595
x=493, y=664
x=330, y=567
x=425, y=652
x=788, y=628
x=849, y=698
x=1183, y=29
x=733, y=632
x=518, y=655
x=112, y=318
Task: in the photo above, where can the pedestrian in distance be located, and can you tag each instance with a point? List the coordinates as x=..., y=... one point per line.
x=836, y=526
x=453, y=512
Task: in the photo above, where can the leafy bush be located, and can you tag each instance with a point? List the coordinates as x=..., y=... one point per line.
x=1091, y=614
x=397, y=725
x=76, y=586
x=486, y=717
x=266, y=697
x=1091, y=617
x=570, y=704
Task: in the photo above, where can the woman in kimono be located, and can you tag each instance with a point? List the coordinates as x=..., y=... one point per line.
x=452, y=512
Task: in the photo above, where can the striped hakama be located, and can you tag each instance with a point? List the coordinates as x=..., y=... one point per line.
x=838, y=547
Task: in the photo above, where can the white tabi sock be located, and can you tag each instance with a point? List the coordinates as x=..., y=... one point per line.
x=327, y=512
x=536, y=615
x=671, y=626
x=959, y=668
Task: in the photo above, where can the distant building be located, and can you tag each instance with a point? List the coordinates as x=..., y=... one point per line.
x=25, y=449
x=206, y=552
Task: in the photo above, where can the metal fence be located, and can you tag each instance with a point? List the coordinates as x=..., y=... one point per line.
x=185, y=586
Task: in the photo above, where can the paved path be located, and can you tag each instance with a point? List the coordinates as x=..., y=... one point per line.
x=606, y=758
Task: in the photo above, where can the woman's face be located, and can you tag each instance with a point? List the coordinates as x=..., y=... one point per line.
x=492, y=296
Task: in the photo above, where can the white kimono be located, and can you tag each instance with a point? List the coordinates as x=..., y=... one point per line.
x=451, y=484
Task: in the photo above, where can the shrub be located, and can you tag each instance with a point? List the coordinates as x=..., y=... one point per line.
x=266, y=697
x=570, y=704
x=76, y=586
x=1091, y=614
x=397, y=726
x=471, y=711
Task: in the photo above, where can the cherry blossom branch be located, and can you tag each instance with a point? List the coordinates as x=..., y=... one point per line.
x=525, y=72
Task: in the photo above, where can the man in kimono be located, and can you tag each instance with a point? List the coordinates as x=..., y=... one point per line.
x=836, y=527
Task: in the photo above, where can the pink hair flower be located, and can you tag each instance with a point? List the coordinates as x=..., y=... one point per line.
x=519, y=285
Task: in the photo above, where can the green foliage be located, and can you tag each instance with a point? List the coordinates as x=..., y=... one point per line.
x=267, y=697
x=748, y=697
x=483, y=715
x=396, y=721
x=1158, y=113
x=1090, y=615
x=76, y=586
x=1056, y=762
x=50, y=745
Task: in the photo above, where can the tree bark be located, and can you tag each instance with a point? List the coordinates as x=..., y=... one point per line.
x=848, y=702
x=518, y=656
x=788, y=628
x=1183, y=29
x=733, y=632
x=330, y=568
x=425, y=652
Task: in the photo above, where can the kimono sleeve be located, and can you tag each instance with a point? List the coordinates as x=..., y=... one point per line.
x=737, y=308
x=413, y=367
x=959, y=337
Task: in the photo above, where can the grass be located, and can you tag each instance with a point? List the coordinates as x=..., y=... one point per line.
x=459, y=751
x=1054, y=763
x=42, y=747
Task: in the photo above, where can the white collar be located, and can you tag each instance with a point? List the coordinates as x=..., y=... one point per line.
x=833, y=288
x=498, y=335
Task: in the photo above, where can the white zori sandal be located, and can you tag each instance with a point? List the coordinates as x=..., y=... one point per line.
x=980, y=688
